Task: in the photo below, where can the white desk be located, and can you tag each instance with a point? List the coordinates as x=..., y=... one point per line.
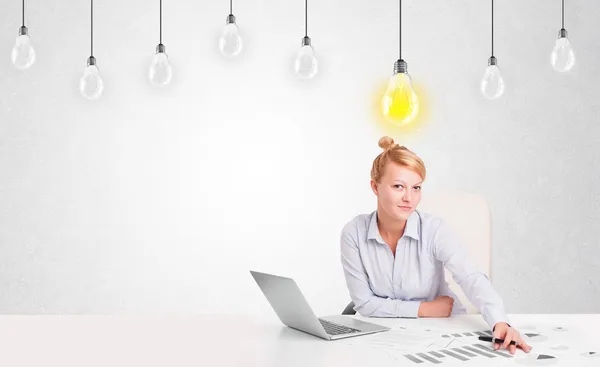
x=244, y=341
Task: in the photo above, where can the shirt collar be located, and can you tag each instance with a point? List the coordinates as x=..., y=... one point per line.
x=412, y=230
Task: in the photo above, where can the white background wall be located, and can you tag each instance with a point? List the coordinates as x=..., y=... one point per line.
x=155, y=200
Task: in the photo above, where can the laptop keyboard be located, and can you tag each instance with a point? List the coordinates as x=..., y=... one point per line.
x=336, y=329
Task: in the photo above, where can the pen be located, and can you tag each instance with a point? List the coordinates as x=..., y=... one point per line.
x=495, y=340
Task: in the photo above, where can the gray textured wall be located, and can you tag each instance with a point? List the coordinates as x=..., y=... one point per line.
x=161, y=200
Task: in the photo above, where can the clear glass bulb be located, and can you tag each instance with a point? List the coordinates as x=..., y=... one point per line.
x=492, y=84
x=90, y=84
x=562, y=57
x=306, y=65
x=23, y=54
x=230, y=42
x=160, y=72
x=400, y=104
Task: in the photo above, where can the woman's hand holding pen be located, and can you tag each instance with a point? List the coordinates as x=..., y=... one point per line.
x=504, y=331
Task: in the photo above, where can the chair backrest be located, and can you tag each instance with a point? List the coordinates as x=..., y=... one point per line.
x=468, y=215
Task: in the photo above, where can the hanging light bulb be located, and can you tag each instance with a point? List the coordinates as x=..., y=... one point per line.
x=230, y=42
x=306, y=65
x=160, y=72
x=90, y=84
x=400, y=104
x=492, y=84
x=23, y=54
x=562, y=57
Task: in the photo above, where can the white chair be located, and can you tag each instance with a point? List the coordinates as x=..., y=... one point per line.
x=468, y=215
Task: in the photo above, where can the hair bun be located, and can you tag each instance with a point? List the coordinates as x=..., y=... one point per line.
x=386, y=142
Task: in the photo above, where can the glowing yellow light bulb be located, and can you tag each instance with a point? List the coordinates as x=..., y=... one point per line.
x=400, y=103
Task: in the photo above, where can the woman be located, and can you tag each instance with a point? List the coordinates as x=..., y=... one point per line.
x=394, y=258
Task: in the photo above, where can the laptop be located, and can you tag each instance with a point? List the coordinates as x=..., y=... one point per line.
x=293, y=310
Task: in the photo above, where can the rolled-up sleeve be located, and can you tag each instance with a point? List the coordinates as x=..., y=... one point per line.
x=448, y=249
x=366, y=303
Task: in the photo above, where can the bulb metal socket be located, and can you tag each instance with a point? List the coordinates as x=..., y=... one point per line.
x=91, y=61
x=400, y=66
x=562, y=33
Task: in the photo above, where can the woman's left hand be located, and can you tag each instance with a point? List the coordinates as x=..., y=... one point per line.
x=504, y=331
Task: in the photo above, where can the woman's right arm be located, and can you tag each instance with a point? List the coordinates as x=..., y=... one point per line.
x=366, y=303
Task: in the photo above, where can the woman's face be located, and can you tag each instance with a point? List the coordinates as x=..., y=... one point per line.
x=398, y=192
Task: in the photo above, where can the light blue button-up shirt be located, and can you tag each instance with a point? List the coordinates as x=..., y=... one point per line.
x=382, y=285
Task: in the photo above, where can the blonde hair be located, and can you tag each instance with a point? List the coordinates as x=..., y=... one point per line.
x=398, y=154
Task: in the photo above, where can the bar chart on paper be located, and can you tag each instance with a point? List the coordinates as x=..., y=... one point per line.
x=463, y=353
x=426, y=347
x=479, y=352
x=457, y=348
x=455, y=342
x=451, y=348
x=474, y=333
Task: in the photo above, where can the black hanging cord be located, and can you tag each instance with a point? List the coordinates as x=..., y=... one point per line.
x=400, y=29
x=92, y=29
x=160, y=22
x=563, y=14
x=492, y=28
x=23, y=13
x=305, y=18
x=230, y=6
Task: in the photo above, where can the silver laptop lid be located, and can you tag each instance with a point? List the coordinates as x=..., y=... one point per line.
x=289, y=304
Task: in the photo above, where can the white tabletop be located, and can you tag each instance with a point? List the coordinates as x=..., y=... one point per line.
x=244, y=341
